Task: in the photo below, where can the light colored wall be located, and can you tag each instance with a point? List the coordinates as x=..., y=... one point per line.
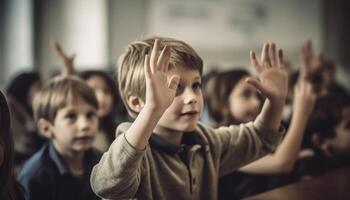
x=81, y=26
x=17, y=39
x=99, y=30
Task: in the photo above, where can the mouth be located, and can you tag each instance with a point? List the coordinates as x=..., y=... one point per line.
x=84, y=139
x=190, y=113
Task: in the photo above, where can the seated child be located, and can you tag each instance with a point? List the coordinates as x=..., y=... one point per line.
x=20, y=92
x=66, y=112
x=165, y=153
x=328, y=137
x=231, y=100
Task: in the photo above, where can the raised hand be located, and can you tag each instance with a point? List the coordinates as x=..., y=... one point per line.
x=310, y=61
x=160, y=85
x=273, y=76
x=68, y=61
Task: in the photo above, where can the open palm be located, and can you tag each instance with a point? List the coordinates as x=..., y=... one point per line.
x=160, y=86
x=273, y=76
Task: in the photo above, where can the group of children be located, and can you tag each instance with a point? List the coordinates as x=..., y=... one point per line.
x=164, y=151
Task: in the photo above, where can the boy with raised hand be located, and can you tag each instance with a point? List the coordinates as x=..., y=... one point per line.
x=65, y=111
x=166, y=153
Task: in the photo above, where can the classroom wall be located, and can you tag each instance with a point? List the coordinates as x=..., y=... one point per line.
x=222, y=32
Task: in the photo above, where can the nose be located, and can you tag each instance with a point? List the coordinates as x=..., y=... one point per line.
x=84, y=123
x=190, y=97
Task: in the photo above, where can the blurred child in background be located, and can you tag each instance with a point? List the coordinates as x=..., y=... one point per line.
x=10, y=189
x=66, y=112
x=20, y=93
x=232, y=101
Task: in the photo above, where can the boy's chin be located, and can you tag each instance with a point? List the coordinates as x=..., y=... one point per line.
x=82, y=148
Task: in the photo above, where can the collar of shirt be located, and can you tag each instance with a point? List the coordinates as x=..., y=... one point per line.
x=91, y=157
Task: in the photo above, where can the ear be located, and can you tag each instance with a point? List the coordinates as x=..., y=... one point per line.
x=45, y=128
x=135, y=103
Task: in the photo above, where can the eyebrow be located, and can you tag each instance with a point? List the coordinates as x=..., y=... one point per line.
x=198, y=78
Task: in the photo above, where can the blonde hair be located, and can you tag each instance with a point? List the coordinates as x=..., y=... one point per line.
x=131, y=77
x=57, y=93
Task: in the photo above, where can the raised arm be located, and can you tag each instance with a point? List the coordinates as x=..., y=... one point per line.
x=68, y=61
x=273, y=85
x=282, y=161
x=118, y=174
x=310, y=61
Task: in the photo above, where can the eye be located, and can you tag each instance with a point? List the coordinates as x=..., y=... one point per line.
x=91, y=115
x=246, y=93
x=197, y=86
x=107, y=91
x=71, y=116
x=179, y=89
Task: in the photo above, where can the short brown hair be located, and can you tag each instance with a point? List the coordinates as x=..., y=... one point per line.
x=131, y=77
x=57, y=92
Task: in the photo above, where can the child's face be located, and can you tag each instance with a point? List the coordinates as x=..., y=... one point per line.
x=341, y=141
x=244, y=102
x=74, y=127
x=183, y=114
x=103, y=94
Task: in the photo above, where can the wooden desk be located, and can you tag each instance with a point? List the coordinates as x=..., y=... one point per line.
x=330, y=186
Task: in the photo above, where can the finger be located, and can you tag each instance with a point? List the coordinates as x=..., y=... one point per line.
x=59, y=50
x=309, y=48
x=163, y=59
x=255, y=83
x=255, y=62
x=174, y=81
x=280, y=59
x=154, y=55
x=265, y=60
x=147, y=67
x=320, y=56
x=273, y=54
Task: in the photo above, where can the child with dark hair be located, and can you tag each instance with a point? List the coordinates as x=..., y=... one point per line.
x=232, y=101
x=111, y=110
x=218, y=90
x=9, y=188
x=328, y=136
x=20, y=93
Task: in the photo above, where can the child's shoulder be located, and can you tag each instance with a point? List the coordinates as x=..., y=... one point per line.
x=37, y=164
x=122, y=127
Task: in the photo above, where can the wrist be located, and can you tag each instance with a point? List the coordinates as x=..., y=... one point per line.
x=278, y=101
x=154, y=109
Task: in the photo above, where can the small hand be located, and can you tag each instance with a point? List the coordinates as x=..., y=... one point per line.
x=310, y=62
x=273, y=76
x=160, y=86
x=68, y=61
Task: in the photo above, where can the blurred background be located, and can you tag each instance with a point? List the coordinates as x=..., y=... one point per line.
x=222, y=31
